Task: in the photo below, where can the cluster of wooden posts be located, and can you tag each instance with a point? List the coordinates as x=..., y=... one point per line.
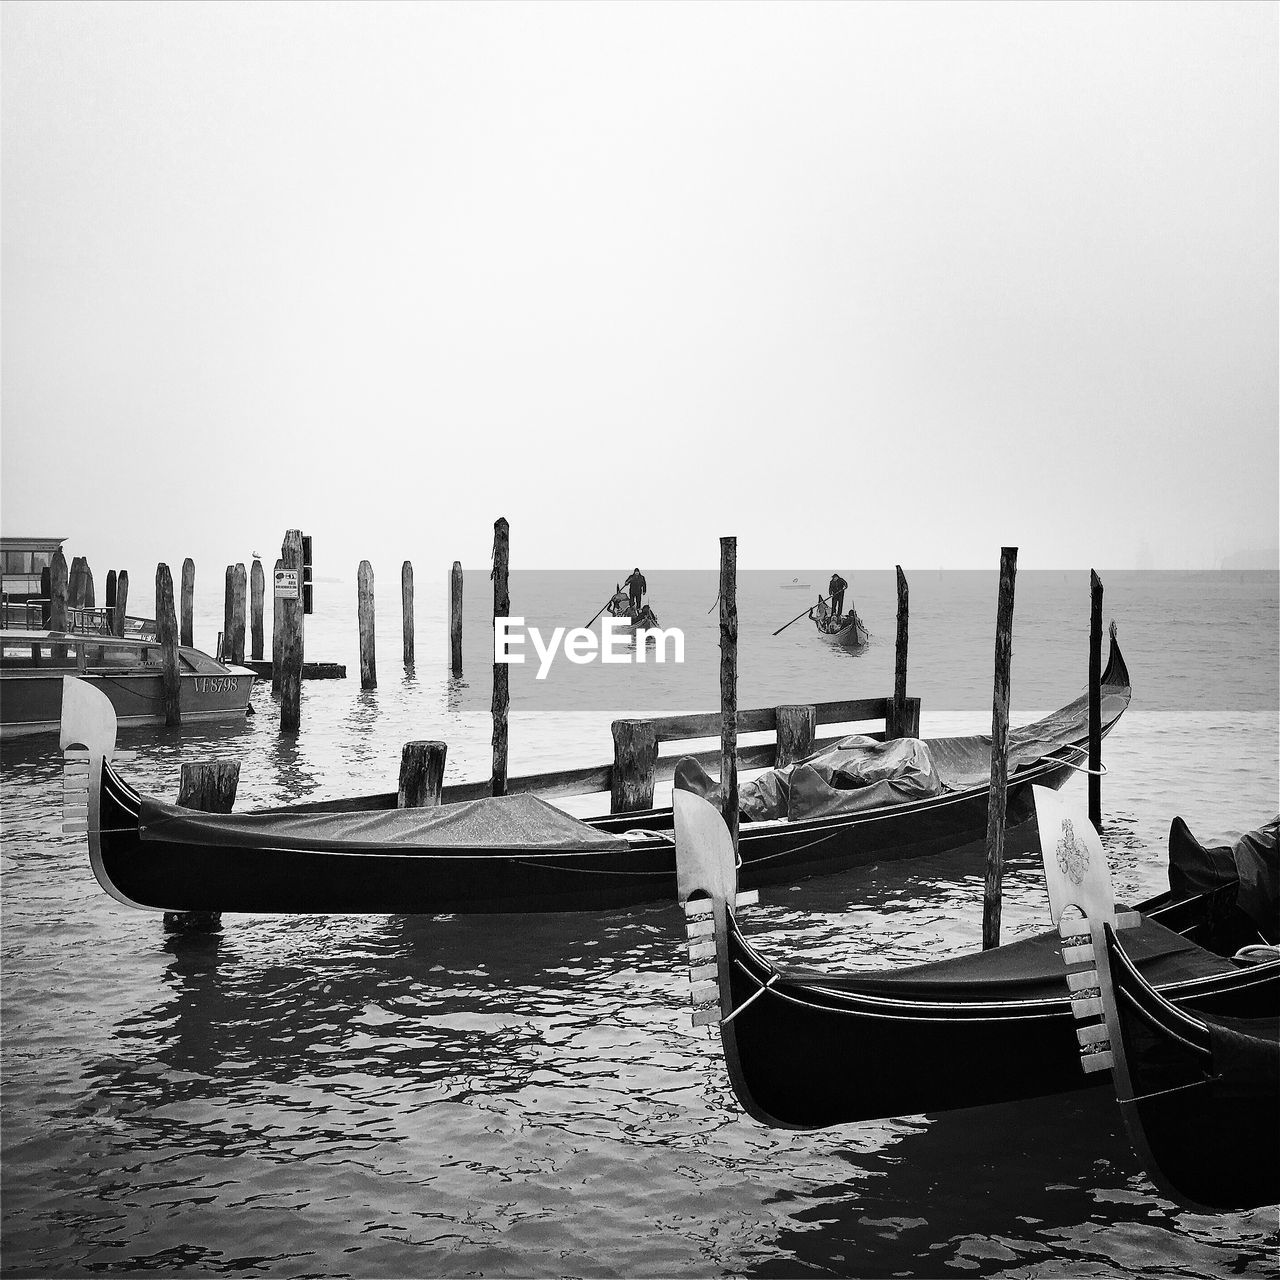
x=637, y=765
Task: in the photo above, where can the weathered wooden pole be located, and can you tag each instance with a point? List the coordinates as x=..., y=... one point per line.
x=406, y=608
x=75, y=584
x=167, y=634
x=796, y=729
x=501, y=704
x=58, y=599
x=421, y=775
x=364, y=607
x=109, y=591
x=455, y=618
x=238, y=614
x=187, y=604
x=277, y=630
x=635, y=759
x=729, y=683
x=208, y=785
x=257, y=590
x=898, y=729
x=999, y=750
x=122, y=602
x=1095, y=700
x=228, y=614
x=292, y=638
x=90, y=601
x=46, y=595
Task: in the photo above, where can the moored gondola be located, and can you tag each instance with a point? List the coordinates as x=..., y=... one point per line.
x=1199, y=1091
x=807, y=1050
x=518, y=853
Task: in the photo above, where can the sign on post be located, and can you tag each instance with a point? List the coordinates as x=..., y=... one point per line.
x=286, y=584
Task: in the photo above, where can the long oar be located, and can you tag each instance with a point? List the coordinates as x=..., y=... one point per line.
x=798, y=616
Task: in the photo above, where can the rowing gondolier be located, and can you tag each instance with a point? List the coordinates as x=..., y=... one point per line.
x=835, y=590
x=636, y=587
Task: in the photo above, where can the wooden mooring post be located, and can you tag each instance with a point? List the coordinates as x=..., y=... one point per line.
x=364, y=608
x=406, y=610
x=58, y=591
x=228, y=614
x=208, y=785
x=109, y=592
x=257, y=592
x=277, y=630
x=729, y=683
x=635, y=758
x=239, y=602
x=796, y=728
x=167, y=633
x=455, y=618
x=1095, y=700
x=187, y=607
x=996, y=796
x=421, y=775
x=899, y=725
x=501, y=704
x=122, y=602
x=291, y=639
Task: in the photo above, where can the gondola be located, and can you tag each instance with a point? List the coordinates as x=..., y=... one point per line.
x=807, y=1050
x=515, y=853
x=1199, y=1092
x=851, y=634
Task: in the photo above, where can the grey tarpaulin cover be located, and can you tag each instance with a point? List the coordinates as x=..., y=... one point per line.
x=501, y=822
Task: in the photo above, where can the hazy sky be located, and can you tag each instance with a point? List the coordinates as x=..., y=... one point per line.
x=861, y=284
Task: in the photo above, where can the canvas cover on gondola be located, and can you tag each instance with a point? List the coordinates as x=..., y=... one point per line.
x=1250, y=866
x=503, y=822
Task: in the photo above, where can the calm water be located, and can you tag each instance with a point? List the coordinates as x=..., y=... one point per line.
x=374, y=1096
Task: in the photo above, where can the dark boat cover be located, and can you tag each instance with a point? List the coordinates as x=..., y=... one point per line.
x=1029, y=969
x=1251, y=865
x=502, y=823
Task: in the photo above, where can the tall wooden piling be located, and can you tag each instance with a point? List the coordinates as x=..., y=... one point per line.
x=187, y=607
x=1095, y=700
x=75, y=583
x=238, y=615
x=899, y=727
x=796, y=729
x=501, y=704
x=364, y=607
x=277, y=630
x=122, y=602
x=635, y=759
x=167, y=633
x=46, y=595
x=208, y=785
x=455, y=618
x=406, y=609
x=90, y=601
x=228, y=614
x=291, y=639
x=58, y=577
x=729, y=683
x=109, y=591
x=996, y=796
x=421, y=775
x=257, y=590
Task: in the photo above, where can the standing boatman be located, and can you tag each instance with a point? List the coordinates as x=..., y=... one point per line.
x=835, y=589
x=636, y=587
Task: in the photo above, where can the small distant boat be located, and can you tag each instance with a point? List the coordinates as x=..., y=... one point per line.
x=127, y=669
x=1198, y=1087
x=851, y=633
x=795, y=585
x=643, y=618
